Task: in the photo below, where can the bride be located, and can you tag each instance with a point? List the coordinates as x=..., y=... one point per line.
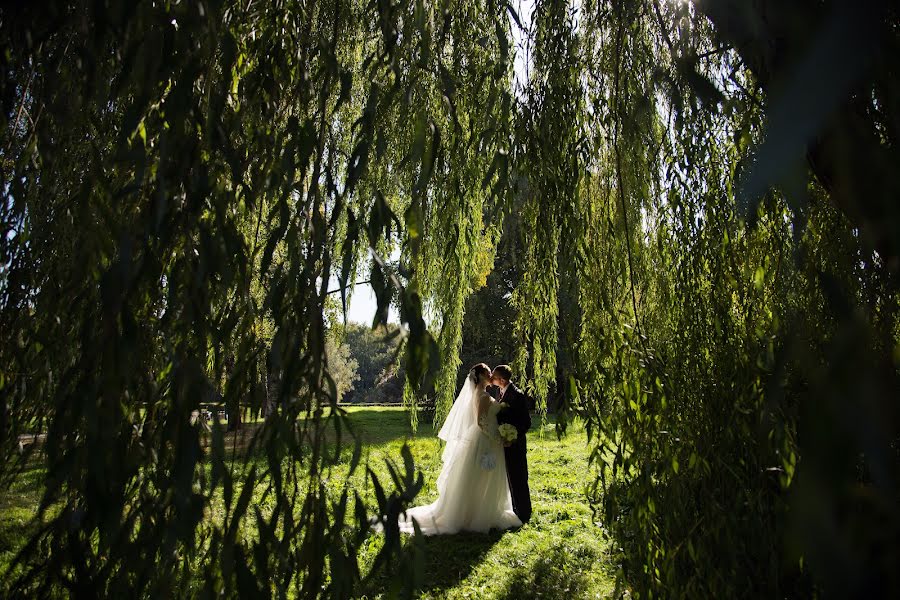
x=473, y=494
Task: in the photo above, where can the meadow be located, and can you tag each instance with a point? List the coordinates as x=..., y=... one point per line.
x=561, y=553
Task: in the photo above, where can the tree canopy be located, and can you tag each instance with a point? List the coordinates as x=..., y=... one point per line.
x=703, y=230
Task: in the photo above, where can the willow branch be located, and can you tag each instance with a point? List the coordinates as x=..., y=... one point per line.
x=620, y=180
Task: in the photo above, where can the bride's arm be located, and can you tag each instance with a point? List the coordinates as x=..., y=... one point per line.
x=483, y=405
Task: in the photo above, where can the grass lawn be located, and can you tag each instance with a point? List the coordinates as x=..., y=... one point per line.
x=559, y=554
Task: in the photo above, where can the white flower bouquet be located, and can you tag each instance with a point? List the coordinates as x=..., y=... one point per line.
x=488, y=461
x=508, y=433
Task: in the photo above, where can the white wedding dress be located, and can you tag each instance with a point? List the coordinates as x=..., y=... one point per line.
x=473, y=494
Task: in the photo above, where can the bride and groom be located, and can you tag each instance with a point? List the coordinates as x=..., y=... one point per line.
x=484, y=479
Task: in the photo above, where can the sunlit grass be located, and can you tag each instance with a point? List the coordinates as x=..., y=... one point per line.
x=559, y=554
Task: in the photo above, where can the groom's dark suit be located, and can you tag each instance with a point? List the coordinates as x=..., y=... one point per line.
x=517, y=415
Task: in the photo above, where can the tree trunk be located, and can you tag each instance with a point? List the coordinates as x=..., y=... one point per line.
x=232, y=408
x=271, y=390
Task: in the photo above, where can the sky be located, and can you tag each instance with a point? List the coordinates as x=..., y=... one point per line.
x=524, y=8
x=362, y=305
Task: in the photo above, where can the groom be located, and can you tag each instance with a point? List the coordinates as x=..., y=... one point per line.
x=516, y=414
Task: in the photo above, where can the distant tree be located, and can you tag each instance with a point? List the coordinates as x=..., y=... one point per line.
x=341, y=365
x=375, y=353
x=389, y=385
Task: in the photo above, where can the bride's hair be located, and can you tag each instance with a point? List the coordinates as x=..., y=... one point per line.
x=477, y=371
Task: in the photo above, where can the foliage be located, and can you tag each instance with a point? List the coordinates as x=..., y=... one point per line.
x=342, y=367
x=179, y=182
x=375, y=353
x=701, y=256
x=715, y=349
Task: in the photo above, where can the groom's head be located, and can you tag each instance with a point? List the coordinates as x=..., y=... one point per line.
x=501, y=375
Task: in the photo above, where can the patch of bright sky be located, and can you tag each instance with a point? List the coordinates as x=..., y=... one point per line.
x=361, y=302
x=522, y=45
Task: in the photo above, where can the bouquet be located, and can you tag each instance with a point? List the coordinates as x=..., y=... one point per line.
x=488, y=461
x=508, y=433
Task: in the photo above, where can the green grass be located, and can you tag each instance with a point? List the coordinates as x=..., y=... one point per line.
x=18, y=506
x=559, y=554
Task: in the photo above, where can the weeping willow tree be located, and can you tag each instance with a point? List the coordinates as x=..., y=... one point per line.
x=736, y=352
x=708, y=232
x=686, y=177
x=181, y=182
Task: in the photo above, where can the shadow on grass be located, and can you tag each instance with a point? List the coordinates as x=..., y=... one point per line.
x=557, y=569
x=18, y=506
x=556, y=573
x=447, y=560
x=27, y=485
x=382, y=426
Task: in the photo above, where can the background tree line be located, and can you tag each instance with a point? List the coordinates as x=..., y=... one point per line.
x=379, y=376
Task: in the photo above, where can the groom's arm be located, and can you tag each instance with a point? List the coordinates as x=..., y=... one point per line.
x=524, y=416
x=509, y=415
x=516, y=414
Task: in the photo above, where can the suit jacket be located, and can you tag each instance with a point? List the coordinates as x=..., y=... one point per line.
x=517, y=412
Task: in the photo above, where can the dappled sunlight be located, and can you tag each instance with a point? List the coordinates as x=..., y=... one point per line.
x=559, y=553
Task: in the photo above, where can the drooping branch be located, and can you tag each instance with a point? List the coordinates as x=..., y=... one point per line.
x=852, y=148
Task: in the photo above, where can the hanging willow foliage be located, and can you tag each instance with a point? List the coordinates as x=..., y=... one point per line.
x=734, y=359
x=708, y=230
x=180, y=183
x=736, y=362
